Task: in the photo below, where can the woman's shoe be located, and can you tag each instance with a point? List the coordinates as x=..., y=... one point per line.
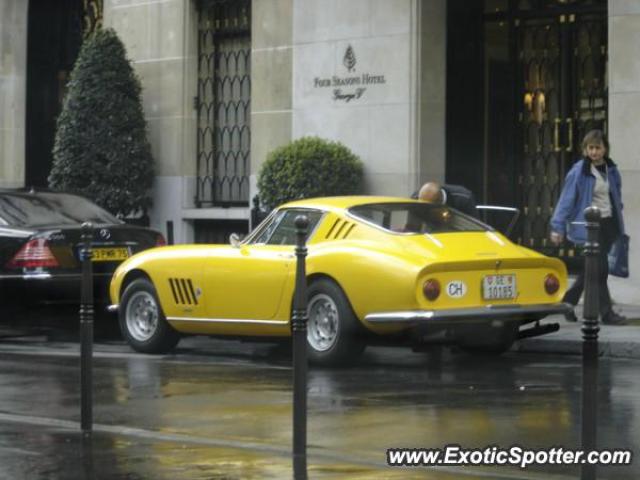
x=571, y=316
x=613, y=318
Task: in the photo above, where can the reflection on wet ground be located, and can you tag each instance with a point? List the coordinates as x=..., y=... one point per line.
x=222, y=410
x=53, y=454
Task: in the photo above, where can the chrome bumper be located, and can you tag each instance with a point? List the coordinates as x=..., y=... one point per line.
x=490, y=312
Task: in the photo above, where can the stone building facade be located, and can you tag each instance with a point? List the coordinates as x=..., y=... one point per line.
x=297, y=51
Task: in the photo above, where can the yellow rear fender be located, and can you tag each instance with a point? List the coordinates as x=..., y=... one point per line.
x=373, y=280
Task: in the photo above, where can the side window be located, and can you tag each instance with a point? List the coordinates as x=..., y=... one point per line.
x=285, y=231
x=399, y=220
x=267, y=231
x=379, y=217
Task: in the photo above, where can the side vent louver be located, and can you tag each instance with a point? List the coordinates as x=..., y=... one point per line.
x=183, y=292
x=349, y=230
x=340, y=229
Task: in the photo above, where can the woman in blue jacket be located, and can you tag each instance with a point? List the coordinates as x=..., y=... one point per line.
x=593, y=180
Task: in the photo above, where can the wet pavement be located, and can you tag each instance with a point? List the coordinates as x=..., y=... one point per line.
x=618, y=341
x=222, y=410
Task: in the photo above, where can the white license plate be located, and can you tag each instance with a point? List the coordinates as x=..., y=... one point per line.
x=499, y=287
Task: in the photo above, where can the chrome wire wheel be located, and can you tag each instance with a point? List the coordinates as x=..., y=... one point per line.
x=322, y=330
x=141, y=316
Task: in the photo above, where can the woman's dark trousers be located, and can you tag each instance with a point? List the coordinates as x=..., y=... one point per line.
x=609, y=231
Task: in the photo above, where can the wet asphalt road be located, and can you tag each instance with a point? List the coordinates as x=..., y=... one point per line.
x=222, y=410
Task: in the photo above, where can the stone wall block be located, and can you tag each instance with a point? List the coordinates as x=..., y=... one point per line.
x=163, y=84
x=390, y=17
x=624, y=43
x=272, y=23
x=166, y=25
x=322, y=20
x=268, y=131
x=132, y=26
x=271, y=79
x=623, y=7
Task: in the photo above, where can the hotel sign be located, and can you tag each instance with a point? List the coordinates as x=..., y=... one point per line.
x=351, y=86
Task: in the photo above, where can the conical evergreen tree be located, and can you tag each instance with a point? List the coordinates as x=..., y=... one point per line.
x=101, y=149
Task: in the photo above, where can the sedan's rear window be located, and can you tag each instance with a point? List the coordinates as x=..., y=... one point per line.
x=40, y=209
x=416, y=218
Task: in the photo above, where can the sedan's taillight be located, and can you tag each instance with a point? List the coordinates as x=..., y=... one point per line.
x=34, y=254
x=160, y=241
x=551, y=284
x=431, y=289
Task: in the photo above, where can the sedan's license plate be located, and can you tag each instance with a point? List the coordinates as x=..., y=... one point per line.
x=499, y=287
x=109, y=254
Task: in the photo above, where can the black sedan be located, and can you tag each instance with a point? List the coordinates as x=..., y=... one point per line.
x=40, y=246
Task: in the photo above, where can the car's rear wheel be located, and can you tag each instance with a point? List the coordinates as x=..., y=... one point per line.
x=333, y=329
x=494, y=341
x=142, y=322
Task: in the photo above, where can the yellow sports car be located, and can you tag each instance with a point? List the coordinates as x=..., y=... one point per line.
x=379, y=269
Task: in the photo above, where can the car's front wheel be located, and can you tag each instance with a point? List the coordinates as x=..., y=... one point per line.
x=142, y=322
x=333, y=330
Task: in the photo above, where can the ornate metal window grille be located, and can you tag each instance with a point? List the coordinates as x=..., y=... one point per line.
x=223, y=103
x=93, y=15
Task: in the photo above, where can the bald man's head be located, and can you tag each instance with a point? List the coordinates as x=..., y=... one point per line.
x=431, y=192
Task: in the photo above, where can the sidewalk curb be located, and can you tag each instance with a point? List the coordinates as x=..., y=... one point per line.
x=606, y=348
x=613, y=341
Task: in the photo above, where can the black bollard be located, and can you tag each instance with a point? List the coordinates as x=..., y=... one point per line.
x=169, y=232
x=86, y=332
x=86, y=452
x=590, y=331
x=255, y=213
x=299, y=328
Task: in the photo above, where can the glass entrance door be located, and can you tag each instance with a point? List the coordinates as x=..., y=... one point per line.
x=562, y=94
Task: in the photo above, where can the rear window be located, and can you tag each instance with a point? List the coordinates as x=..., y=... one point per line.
x=416, y=218
x=40, y=209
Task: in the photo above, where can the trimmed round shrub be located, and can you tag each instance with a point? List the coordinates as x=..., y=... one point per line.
x=309, y=167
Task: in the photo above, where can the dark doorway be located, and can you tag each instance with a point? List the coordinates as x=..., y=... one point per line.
x=54, y=39
x=539, y=69
x=218, y=231
x=465, y=106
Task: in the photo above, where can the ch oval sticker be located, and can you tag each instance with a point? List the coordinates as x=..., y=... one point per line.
x=456, y=289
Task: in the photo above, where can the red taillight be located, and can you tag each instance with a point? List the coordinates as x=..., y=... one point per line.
x=34, y=254
x=160, y=241
x=551, y=284
x=431, y=289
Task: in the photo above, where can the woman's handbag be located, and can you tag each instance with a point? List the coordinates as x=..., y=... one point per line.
x=619, y=257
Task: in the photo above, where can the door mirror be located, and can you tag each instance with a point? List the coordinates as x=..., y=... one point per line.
x=235, y=239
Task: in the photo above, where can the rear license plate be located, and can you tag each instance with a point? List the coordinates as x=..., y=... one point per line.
x=499, y=287
x=109, y=254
